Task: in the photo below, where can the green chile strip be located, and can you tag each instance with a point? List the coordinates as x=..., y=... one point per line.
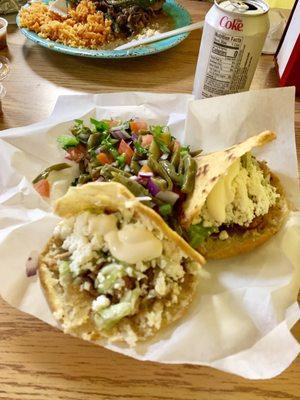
x=175, y=159
x=158, y=169
x=133, y=186
x=170, y=170
x=195, y=153
x=189, y=174
x=46, y=172
x=108, y=172
x=154, y=150
x=94, y=140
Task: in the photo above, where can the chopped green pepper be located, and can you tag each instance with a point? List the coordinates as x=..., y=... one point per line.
x=101, y=126
x=121, y=160
x=66, y=141
x=139, y=148
x=165, y=210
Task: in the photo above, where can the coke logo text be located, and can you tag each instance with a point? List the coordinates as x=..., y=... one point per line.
x=235, y=25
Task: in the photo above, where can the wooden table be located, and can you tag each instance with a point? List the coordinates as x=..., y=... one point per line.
x=39, y=362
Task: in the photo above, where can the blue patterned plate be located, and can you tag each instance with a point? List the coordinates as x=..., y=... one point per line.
x=180, y=16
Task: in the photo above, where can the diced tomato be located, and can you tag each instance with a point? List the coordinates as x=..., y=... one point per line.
x=175, y=145
x=42, y=187
x=105, y=158
x=113, y=122
x=124, y=148
x=146, y=140
x=145, y=168
x=138, y=126
x=76, y=153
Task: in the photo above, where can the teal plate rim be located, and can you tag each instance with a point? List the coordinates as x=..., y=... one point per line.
x=178, y=13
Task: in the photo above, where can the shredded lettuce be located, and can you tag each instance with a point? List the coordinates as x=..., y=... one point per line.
x=64, y=273
x=198, y=233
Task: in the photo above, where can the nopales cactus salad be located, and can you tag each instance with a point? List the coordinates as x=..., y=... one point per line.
x=148, y=160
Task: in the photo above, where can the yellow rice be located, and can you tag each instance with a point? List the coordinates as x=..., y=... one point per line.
x=84, y=26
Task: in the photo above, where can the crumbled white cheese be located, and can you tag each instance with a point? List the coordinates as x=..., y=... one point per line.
x=97, y=241
x=119, y=284
x=223, y=235
x=129, y=271
x=172, y=269
x=64, y=228
x=176, y=289
x=142, y=267
x=174, y=299
x=172, y=251
x=86, y=286
x=129, y=335
x=80, y=257
x=100, y=303
x=73, y=242
x=154, y=318
x=160, y=284
x=81, y=224
x=240, y=195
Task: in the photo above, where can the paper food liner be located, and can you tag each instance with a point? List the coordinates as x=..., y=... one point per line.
x=244, y=309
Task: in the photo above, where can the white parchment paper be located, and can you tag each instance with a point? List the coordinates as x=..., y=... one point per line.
x=245, y=307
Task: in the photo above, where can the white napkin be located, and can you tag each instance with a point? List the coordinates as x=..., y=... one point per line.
x=245, y=307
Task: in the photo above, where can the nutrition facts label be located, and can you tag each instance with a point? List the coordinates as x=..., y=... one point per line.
x=224, y=61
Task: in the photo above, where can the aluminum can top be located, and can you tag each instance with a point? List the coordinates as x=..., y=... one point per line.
x=245, y=8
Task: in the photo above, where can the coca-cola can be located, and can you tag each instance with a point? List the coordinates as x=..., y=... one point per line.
x=233, y=37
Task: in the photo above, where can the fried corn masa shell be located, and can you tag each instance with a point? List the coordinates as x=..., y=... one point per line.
x=153, y=286
x=210, y=168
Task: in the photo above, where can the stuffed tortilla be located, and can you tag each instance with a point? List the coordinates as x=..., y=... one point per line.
x=237, y=203
x=113, y=269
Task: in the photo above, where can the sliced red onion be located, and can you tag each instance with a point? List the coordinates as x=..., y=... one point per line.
x=134, y=137
x=32, y=264
x=168, y=196
x=146, y=174
x=144, y=178
x=164, y=156
x=152, y=187
x=127, y=168
x=133, y=178
x=144, y=198
x=119, y=132
x=100, y=179
x=143, y=162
